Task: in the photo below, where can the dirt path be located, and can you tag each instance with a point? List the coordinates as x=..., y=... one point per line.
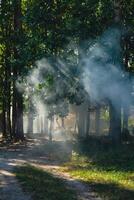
x=33, y=154
x=82, y=190
x=9, y=186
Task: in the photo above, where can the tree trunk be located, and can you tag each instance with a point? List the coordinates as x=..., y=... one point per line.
x=19, y=124
x=115, y=123
x=38, y=124
x=97, y=121
x=9, y=117
x=82, y=119
x=41, y=124
x=8, y=90
x=30, y=116
x=4, y=120
x=51, y=128
x=45, y=125
x=87, y=123
x=115, y=110
x=17, y=96
x=30, y=124
x=117, y=12
x=125, y=117
x=62, y=123
x=14, y=109
x=81, y=123
x=126, y=101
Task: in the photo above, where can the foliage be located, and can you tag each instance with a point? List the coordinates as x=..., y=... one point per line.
x=60, y=31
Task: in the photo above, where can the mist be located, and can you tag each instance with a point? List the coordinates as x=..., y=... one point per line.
x=99, y=77
x=104, y=76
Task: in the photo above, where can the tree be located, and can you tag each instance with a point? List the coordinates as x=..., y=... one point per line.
x=5, y=51
x=57, y=23
x=17, y=116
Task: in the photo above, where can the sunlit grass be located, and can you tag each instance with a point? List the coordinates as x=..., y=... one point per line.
x=109, y=172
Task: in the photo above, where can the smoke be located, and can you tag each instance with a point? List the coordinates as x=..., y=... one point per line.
x=103, y=74
x=44, y=89
x=54, y=83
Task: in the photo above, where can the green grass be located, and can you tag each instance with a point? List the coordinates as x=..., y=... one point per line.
x=43, y=185
x=109, y=171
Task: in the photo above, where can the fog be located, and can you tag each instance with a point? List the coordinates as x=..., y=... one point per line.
x=99, y=75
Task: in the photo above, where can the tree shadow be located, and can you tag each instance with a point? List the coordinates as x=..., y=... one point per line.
x=105, y=157
x=108, y=157
x=38, y=150
x=43, y=185
x=112, y=191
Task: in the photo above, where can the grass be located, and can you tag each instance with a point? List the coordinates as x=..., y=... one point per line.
x=109, y=171
x=43, y=185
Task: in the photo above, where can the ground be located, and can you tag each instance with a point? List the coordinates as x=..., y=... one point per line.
x=41, y=154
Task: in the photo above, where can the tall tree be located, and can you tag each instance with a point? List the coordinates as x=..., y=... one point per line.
x=17, y=116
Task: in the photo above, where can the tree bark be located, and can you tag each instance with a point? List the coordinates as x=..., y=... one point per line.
x=62, y=123
x=51, y=128
x=87, y=123
x=4, y=132
x=82, y=119
x=30, y=124
x=19, y=124
x=45, y=125
x=30, y=116
x=17, y=96
x=14, y=108
x=41, y=124
x=115, y=110
x=125, y=117
x=97, y=121
x=126, y=102
x=115, y=123
x=8, y=90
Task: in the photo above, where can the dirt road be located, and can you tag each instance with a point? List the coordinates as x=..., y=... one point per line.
x=36, y=154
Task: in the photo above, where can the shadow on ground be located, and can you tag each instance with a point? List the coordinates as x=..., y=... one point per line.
x=107, y=156
x=57, y=153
